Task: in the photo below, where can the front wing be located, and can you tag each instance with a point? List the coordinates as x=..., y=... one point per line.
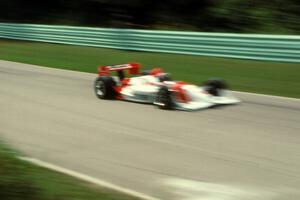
x=200, y=101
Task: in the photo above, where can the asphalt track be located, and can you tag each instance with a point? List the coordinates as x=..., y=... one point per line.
x=242, y=152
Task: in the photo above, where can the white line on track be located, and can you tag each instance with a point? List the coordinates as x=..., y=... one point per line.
x=87, y=178
x=267, y=95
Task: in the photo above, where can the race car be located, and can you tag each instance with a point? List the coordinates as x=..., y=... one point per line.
x=156, y=87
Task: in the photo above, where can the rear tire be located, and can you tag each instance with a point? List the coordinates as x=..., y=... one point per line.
x=215, y=86
x=103, y=87
x=164, y=98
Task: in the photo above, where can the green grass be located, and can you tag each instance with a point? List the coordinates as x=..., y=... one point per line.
x=20, y=180
x=273, y=78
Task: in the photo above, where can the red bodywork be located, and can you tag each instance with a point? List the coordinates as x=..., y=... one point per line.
x=180, y=93
x=133, y=69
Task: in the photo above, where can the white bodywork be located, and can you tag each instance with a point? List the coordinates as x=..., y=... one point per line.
x=201, y=99
x=144, y=89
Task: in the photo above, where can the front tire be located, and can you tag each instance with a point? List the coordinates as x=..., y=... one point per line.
x=103, y=87
x=215, y=86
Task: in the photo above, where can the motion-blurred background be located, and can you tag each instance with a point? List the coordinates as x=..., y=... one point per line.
x=253, y=16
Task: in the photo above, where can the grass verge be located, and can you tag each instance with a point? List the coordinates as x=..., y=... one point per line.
x=275, y=78
x=20, y=180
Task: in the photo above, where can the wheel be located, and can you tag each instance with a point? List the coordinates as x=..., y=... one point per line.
x=164, y=98
x=214, y=86
x=103, y=87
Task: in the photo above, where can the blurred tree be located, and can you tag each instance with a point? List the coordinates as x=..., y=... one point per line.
x=288, y=14
x=277, y=16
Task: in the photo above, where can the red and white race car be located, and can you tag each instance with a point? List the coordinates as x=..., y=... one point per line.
x=156, y=87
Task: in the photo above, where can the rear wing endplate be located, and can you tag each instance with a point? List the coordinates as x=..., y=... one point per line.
x=133, y=69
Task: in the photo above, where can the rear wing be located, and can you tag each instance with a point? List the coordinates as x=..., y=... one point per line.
x=133, y=69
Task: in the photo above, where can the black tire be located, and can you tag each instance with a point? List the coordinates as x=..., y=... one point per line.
x=164, y=98
x=103, y=87
x=214, y=86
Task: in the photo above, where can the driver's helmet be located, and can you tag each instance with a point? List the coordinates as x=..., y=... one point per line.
x=160, y=74
x=156, y=71
x=164, y=77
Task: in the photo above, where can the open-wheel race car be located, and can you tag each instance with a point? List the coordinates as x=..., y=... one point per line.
x=156, y=87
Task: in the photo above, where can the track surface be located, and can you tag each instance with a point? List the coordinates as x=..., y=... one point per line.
x=247, y=151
